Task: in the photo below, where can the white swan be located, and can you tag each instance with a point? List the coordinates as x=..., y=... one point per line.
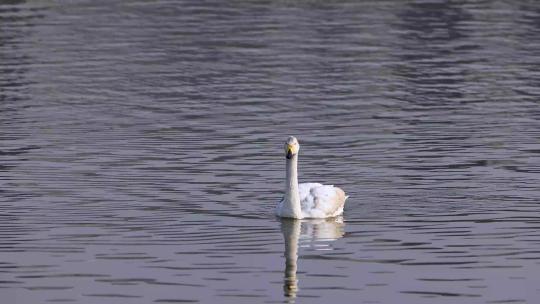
x=307, y=200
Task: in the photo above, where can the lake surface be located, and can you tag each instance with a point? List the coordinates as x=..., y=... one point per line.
x=141, y=151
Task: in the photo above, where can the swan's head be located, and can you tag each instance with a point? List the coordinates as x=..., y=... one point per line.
x=291, y=147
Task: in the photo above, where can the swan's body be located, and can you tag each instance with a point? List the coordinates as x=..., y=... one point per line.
x=316, y=201
x=307, y=200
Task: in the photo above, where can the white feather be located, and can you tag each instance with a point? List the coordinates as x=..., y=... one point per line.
x=318, y=201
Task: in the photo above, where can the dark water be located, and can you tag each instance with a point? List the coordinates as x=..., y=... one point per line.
x=141, y=151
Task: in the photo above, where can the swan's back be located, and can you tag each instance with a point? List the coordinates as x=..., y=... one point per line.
x=321, y=201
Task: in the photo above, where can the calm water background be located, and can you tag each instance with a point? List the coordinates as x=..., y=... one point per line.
x=141, y=150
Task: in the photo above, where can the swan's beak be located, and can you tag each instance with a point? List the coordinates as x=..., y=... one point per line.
x=289, y=152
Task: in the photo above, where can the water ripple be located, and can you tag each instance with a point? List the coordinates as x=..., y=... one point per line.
x=141, y=145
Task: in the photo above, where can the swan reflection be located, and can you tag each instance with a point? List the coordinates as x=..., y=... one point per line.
x=313, y=233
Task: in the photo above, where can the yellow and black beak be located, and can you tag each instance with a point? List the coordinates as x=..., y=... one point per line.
x=289, y=152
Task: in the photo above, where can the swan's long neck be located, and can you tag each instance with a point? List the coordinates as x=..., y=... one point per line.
x=292, y=197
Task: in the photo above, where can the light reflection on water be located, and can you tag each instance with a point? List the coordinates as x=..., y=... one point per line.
x=314, y=234
x=140, y=151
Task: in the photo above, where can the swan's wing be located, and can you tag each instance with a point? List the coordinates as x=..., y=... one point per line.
x=306, y=197
x=329, y=200
x=321, y=201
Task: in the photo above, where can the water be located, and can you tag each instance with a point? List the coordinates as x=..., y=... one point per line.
x=141, y=151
